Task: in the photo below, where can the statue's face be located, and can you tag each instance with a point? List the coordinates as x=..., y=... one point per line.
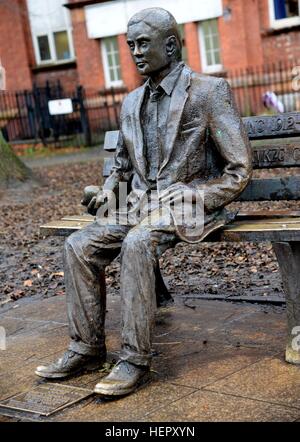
x=148, y=48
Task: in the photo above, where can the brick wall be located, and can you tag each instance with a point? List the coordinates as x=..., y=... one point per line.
x=240, y=34
x=280, y=45
x=68, y=77
x=245, y=38
x=14, y=47
x=88, y=54
x=192, y=44
x=130, y=76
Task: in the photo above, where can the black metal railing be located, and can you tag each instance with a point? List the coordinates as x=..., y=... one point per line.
x=24, y=115
x=249, y=86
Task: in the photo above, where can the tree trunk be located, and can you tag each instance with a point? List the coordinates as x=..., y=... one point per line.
x=12, y=170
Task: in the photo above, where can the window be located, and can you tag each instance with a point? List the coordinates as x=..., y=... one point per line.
x=62, y=47
x=210, y=46
x=44, y=48
x=51, y=30
x=284, y=13
x=111, y=62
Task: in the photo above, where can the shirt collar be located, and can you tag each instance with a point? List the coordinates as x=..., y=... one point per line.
x=169, y=82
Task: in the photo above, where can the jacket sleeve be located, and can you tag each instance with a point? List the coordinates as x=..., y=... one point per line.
x=228, y=133
x=122, y=169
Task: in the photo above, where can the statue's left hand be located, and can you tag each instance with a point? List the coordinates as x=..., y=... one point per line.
x=174, y=194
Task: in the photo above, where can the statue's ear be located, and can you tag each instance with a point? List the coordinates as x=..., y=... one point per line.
x=171, y=45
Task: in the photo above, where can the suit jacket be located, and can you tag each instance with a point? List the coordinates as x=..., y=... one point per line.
x=206, y=147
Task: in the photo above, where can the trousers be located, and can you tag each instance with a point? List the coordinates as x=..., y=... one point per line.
x=86, y=254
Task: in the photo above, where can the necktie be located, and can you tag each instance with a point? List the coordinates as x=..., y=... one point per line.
x=153, y=142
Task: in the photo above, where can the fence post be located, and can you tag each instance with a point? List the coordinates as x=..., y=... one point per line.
x=84, y=117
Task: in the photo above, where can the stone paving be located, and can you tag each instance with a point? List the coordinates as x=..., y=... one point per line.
x=214, y=361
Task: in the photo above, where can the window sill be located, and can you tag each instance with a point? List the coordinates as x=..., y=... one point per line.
x=282, y=28
x=117, y=85
x=214, y=70
x=54, y=66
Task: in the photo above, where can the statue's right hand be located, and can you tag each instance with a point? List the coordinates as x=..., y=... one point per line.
x=88, y=194
x=97, y=201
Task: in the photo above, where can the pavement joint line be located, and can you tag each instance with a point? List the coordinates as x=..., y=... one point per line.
x=36, y=320
x=172, y=402
x=243, y=368
x=253, y=399
x=225, y=394
x=225, y=321
x=204, y=387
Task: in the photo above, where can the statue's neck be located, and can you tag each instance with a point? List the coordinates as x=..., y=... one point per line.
x=157, y=77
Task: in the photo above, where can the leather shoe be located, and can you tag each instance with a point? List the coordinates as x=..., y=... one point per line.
x=69, y=364
x=123, y=379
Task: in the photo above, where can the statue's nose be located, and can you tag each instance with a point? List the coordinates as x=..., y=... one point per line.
x=137, y=52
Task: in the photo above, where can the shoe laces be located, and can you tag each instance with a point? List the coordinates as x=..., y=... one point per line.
x=68, y=355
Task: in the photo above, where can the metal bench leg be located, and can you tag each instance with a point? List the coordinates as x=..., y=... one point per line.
x=163, y=296
x=288, y=256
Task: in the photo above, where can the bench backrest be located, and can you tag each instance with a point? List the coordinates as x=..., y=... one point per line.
x=275, y=145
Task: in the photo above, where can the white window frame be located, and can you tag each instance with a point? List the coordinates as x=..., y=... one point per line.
x=284, y=22
x=53, y=59
x=206, y=68
x=108, y=82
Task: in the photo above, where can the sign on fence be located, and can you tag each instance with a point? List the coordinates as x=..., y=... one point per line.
x=2, y=78
x=60, y=107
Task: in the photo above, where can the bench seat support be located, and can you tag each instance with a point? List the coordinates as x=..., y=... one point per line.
x=288, y=256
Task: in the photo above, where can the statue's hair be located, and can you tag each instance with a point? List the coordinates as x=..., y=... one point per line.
x=162, y=20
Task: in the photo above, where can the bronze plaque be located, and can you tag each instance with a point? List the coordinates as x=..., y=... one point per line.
x=46, y=399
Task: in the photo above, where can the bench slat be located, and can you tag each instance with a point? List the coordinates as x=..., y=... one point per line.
x=62, y=227
x=111, y=140
x=273, y=126
x=269, y=189
x=257, y=235
x=286, y=229
x=274, y=155
x=272, y=189
x=267, y=214
x=266, y=156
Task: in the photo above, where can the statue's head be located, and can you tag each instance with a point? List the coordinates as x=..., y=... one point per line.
x=154, y=40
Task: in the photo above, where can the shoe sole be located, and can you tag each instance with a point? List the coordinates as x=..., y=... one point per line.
x=125, y=391
x=58, y=375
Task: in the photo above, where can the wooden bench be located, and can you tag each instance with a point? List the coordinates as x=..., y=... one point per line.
x=275, y=145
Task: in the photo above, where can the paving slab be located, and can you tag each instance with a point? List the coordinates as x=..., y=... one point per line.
x=8, y=419
x=270, y=379
x=204, y=365
x=131, y=408
x=49, y=310
x=44, y=341
x=211, y=362
x=205, y=406
x=16, y=326
x=225, y=323
x=21, y=380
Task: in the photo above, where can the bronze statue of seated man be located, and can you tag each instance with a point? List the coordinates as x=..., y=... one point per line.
x=180, y=133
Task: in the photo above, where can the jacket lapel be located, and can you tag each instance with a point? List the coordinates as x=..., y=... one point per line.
x=178, y=100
